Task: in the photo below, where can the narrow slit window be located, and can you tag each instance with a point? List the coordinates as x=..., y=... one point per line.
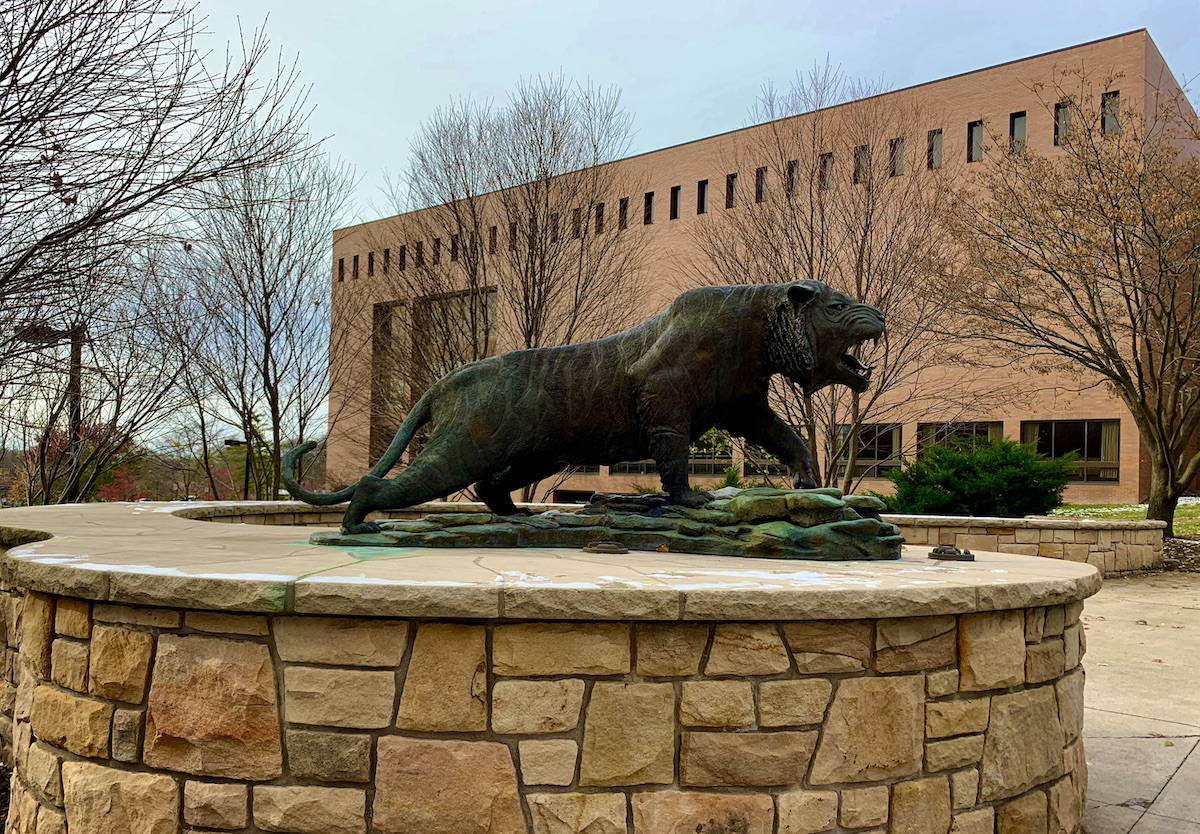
x=933, y=150
x=825, y=171
x=648, y=208
x=387, y=261
x=370, y=264
x=403, y=263
x=790, y=172
x=760, y=184
x=354, y=268
x=1110, y=111
x=576, y=223
x=896, y=157
x=674, y=205
x=1062, y=121
x=454, y=247
x=599, y=218
x=702, y=197
x=419, y=254
x=623, y=213
x=492, y=235
x=730, y=190
x=975, y=141
x=437, y=251
x=862, y=164
x=1016, y=132
x=512, y=235
x=554, y=227
x=341, y=269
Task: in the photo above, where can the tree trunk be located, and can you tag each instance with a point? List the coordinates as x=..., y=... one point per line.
x=1163, y=498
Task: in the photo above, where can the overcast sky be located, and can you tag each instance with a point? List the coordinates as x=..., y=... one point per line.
x=687, y=69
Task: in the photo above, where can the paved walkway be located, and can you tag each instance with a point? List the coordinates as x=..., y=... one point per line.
x=1142, y=722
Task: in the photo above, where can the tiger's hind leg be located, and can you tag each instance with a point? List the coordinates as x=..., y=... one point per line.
x=496, y=491
x=421, y=481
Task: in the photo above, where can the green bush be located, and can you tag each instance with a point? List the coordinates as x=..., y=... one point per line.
x=988, y=478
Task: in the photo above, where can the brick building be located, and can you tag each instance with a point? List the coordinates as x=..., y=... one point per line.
x=695, y=183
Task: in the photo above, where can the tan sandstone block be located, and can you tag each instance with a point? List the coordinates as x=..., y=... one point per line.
x=1026, y=815
x=629, y=735
x=790, y=703
x=445, y=689
x=942, y=682
x=954, y=718
x=215, y=805
x=914, y=643
x=560, y=649
x=1035, y=622
x=329, y=757
x=72, y=722
x=1076, y=552
x=862, y=807
x=717, y=704
x=120, y=663
x=746, y=649
x=737, y=759
x=72, y=618
x=679, y=812
x=670, y=649
x=979, y=821
x=96, y=796
x=22, y=809
x=952, y=753
x=127, y=726
x=1069, y=692
x=921, y=806
x=342, y=641
x=964, y=787
x=37, y=631
x=213, y=709
x=825, y=647
x=42, y=772
x=532, y=707
x=310, y=810
x=1063, y=813
x=1055, y=621
x=338, y=697
x=577, y=813
x=1050, y=550
x=991, y=650
x=548, y=761
x=129, y=615
x=1071, y=643
x=1016, y=754
x=51, y=821
x=419, y=787
x=874, y=730
x=69, y=664
x=1044, y=661
x=807, y=812
x=217, y=623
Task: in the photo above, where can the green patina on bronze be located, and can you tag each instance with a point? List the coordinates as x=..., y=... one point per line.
x=817, y=524
x=649, y=392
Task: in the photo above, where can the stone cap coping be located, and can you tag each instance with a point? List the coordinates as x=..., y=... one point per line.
x=1029, y=522
x=146, y=554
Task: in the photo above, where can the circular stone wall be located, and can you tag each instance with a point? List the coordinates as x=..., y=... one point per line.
x=181, y=675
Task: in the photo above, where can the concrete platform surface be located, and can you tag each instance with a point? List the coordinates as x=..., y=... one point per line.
x=1142, y=723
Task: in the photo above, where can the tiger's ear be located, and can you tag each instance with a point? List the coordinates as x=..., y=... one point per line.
x=802, y=292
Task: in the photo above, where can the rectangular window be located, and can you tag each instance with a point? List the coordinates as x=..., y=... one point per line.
x=730, y=190
x=554, y=227
x=945, y=434
x=760, y=184
x=1095, y=443
x=896, y=157
x=387, y=261
x=862, y=164
x=702, y=197
x=576, y=223
x=623, y=214
x=878, y=450
x=354, y=268
x=492, y=240
x=674, y=204
x=419, y=254
x=933, y=150
x=454, y=247
x=512, y=235
x=1016, y=132
x=1110, y=112
x=599, y=218
x=341, y=269
x=648, y=209
x=403, y=265
x=789, y=176
x=1062, y=120
x=975, y=141
x=437, y=251
x=824, y=171
x=370, y=264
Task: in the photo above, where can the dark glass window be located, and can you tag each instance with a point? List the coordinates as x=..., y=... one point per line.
x=825, y=171
x=1016, y=132
x=599, y=218
x=1110, y=112
x=862, y=164
x=512, y=234
x=403, y=257
x=674, y=204
x=370, y=264
x=354, y=268
x=387, y=261
x=760, y=185
x=896, y=157
x=702, y=197
x=437, y=251
x=974, y=141
x=878, y=450
x=1062, y=120
x=648, y=208
x=943, y=434
x=789, y=174
x=1096, y=444
x=623, y=213
x=419, y=254
x=933, y=150
x=576, y=223
x=454, y=247
x=730, y=190
x=492, y=240
x=341, y=269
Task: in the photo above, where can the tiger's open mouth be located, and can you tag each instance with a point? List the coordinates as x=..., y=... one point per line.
x=856, y=367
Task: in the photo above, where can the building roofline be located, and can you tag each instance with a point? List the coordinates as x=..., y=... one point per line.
x=1143, y=30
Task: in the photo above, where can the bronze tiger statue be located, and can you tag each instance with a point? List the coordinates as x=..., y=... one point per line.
x=648, y=392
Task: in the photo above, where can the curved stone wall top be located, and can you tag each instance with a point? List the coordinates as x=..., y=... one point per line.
x=146, y=554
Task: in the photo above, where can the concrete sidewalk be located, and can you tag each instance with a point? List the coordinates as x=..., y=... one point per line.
x=1142, y=717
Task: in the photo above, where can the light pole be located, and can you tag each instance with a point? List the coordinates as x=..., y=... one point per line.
x=246, y=477
x=41, y=333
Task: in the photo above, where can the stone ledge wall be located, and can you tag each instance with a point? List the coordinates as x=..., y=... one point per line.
x=172, y=720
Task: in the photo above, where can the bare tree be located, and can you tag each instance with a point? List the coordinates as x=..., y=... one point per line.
x=110, y=116
x=258, y=276
x=846, y=191
x=1087, y=259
